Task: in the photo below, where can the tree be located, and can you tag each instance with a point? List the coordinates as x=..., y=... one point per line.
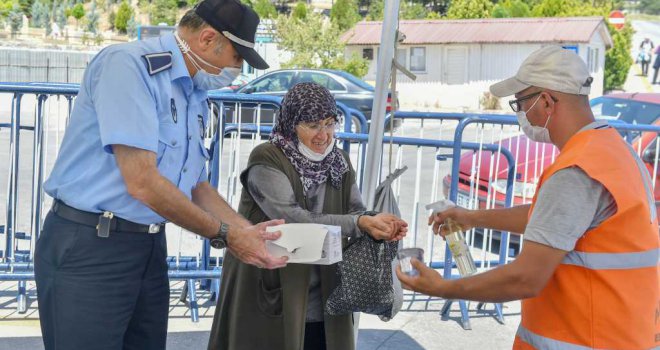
x=651, y=7
x=412, y=11
x=112, y=16
x=344, y=14
x=264, y=8
x=60, y=14
x=163, y=11
x=93, y=19
x=40, y=14
x=618, y=59
x=131, y=28
x=15, y=18
x=568, y=8
x=124, y=13
x=78, y=12
x=466, y=9
x=376, y=10
x=315, y=43
x=26, y=7
x=300, y=11
x=511, y=8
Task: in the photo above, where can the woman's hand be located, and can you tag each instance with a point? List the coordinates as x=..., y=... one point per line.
x=459, y=215
x=383, y=226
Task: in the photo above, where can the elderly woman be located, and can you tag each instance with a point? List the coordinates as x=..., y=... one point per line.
x=301, y=177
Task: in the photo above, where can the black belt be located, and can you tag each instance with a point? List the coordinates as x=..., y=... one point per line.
x=92, y=219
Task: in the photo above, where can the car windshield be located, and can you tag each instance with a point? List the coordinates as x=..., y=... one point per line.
x=629, y=111
x=353, y=79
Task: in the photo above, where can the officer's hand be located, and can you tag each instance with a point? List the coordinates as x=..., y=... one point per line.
x=459, y=215
x=428, y=282
x=248, y=244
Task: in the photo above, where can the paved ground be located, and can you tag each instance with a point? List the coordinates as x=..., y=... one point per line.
x=417, y=327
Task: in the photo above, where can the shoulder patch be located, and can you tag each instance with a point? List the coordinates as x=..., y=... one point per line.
x=158, y=62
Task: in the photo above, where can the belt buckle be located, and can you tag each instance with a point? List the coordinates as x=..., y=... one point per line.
x=154, y=228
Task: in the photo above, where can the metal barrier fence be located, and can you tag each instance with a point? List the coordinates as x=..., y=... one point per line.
x=492, y=166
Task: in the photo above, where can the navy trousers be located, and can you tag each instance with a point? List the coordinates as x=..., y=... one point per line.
x=101, y=293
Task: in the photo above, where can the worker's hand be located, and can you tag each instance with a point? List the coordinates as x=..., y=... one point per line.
x=459, y=215
x=428, y=282
x=383, y=226
x=248, y=244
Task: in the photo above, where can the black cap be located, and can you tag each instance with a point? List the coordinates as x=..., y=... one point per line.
x=237, y=22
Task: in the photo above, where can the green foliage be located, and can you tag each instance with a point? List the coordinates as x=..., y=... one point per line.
x=5, y=8
x=26, y=6
x=376, y=10
x=618, y=59
x=300, y=11
x=124, y=13
x=569, y=8
x=163, y=11
x=78, y=11
x=93, y=19
x=344, y=14
x=314, y=43
x=131, y=28
x=98, y=39
x=15, y=18
x=264, y=8
x=650, y=7
x=433, y=15
x=467, y=9
x=511, y=8
x=412, y=11
x=40, y=14
x=61, y=14
x=112, y=16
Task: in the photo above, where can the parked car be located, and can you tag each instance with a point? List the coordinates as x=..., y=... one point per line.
x=635, y=108
x=345, y=87
x=238, y=83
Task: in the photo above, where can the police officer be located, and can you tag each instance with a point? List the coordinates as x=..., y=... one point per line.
x=133, y=158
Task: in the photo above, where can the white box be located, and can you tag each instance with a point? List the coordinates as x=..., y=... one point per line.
x=307, y=243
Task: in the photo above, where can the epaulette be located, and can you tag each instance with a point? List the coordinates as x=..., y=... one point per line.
x=158, y=62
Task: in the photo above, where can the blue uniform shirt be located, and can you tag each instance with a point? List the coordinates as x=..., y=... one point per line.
x=123, y=100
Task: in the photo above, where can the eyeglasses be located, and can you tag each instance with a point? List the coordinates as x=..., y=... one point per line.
x=517, y=107
x=515, y=104
x=317, y=127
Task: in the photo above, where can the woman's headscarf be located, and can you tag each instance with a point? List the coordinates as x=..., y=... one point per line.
x=308, y=102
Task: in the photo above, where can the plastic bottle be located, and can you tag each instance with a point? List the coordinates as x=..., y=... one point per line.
x=455, y=240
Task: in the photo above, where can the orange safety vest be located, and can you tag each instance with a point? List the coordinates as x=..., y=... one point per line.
x=606, y=292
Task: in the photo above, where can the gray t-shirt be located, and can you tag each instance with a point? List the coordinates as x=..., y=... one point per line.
x=273, y=192
x=571, y=203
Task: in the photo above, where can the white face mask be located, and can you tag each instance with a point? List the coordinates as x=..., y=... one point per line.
x=204, y=80
x=313, y=156
x=534, y=132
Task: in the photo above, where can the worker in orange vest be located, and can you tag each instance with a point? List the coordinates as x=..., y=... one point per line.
x=588, y=275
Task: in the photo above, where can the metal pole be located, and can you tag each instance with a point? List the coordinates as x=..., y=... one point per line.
x=383, y=72
x=372, y=166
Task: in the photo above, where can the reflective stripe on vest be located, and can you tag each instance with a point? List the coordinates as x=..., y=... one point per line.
x=613, y=261
x=543, y=343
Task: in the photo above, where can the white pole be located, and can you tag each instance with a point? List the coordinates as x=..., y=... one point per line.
x=372, y=164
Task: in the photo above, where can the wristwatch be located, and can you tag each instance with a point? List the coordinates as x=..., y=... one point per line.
x=220, y=240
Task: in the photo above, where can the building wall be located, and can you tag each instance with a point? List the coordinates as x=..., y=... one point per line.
x=438, y=86
x=30, y=65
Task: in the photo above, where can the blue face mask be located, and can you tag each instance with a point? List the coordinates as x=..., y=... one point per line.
x=204, y=80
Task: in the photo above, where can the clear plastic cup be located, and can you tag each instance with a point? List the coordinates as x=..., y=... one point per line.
x=405, y=255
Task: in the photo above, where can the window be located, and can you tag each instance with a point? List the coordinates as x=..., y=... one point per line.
x=418, y=59
x=368, y=53
x=321, y=79
x=592, y=60
x=273, y=83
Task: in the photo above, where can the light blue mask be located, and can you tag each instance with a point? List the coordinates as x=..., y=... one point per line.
x=204, y=80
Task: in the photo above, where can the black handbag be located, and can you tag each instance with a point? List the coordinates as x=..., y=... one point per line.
x=366, y=277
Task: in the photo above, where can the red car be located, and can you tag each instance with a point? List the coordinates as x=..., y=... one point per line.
x=487, y=186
